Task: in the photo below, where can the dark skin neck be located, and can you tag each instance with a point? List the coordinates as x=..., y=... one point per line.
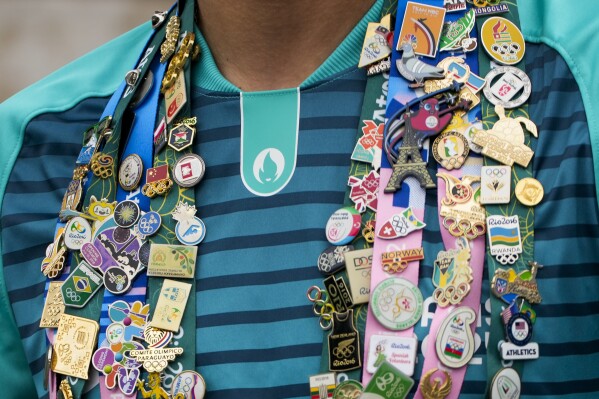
x=275, y=44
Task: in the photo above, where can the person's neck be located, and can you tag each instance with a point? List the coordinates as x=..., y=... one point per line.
x=275, y=44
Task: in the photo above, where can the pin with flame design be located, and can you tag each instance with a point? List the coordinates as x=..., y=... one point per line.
x=503, y=41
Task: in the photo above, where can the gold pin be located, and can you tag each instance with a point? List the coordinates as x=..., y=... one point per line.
x=53, y=307
x=435, y=388
x=65, y=389
x=505, y=141
x=461, y=210
x=529, y=191
x=172, y=35
x=101, y=165
x=450, y=150
x=74, y=345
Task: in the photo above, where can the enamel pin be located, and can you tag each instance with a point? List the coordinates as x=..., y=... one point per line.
x=322, y=385
x=158, y=182
x=189, y=170
x=456, y=35
x=396, y=303
x=450, y=150
x=421, y=27
x=77, y=232
x=508, y=285
x=173, y=261
x=332, y=259
x=502, y=40
x=504, y=238
x=81, y=285
x=412, y=128
x=338, y=293
x=400, y=225
x=188, y=385
x=170, y=306
x=452, y=274
x=53, y=263
x=388, y=382
x=455, y=69
x=130, y=172
x=397, y=261
x=461, y=210
x=343, y=226
x=370, y=144
x=376, y=42
x=190, y=229
x=102, y=165
x=348, y=389
x=495, y=184
x=344, y=343
x=364, y=191
x=414, y=70
x=506, y=384
x=399, y=351
x=455, y=341
x=359, y=266
x=507, y=86
x=454, y=5
x=181, y=136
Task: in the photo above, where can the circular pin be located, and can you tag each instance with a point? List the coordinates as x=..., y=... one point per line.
x=190, y=231
x=450, y=149
x=189, y=170
x=529, y=191
x=149, y=223
x=77, y=232
x=506, y=384
x=130, y=172
x=348, y=389
x=507, y=86
x=502, y=40
x=190, y=384
x=343, y=226
x=116, y=280
x=396, y=303
x=519, y=329
x=126, y=213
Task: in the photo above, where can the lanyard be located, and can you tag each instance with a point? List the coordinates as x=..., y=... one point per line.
x=165, y=207
x=411, y=197
x=106, y=187
x=525, y=214
x=471, y=168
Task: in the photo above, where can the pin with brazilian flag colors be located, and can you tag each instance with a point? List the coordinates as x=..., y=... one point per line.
x=80, y=286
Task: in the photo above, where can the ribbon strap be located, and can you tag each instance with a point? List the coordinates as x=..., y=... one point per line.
x=525, y=214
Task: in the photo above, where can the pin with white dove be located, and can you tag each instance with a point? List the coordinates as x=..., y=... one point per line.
x=414, y=70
